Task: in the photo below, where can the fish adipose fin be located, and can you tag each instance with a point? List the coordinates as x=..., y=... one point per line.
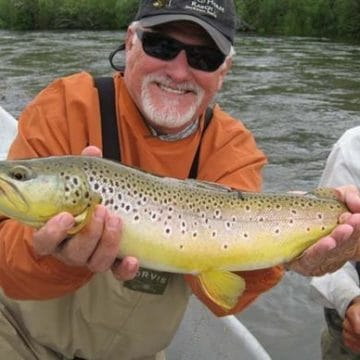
x=324, y=193
x=83, y=218
x=222, y=287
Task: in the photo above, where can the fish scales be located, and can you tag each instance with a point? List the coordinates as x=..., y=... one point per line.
x=182, y=226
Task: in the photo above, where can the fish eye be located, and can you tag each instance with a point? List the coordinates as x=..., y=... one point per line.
x=20, y=173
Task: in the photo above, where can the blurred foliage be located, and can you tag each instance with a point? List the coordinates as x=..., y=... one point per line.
x=66, y=14
x=328, y=18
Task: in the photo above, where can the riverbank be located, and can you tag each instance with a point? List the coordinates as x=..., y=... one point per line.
x=335, y=19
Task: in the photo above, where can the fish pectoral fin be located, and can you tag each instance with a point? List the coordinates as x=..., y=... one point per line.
x=83, y=218
x=222, y=287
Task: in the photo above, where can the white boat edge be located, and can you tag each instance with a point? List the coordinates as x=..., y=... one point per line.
x=202, y=335
x=8, y=129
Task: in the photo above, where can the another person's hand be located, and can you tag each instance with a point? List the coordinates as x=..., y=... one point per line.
x=96, y=246
x=343, y=244
x=351, y=326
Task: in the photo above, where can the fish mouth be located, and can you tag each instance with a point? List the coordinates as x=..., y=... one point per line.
x=12, y=195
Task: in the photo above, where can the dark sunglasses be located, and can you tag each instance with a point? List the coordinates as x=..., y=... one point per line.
x=163, y=47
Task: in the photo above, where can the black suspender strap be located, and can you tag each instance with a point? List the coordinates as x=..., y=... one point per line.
x=195, y=165
x=109, y=129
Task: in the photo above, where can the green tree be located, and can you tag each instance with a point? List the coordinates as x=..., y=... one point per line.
x=348, y=17
x=18, y=14
x=125, y=11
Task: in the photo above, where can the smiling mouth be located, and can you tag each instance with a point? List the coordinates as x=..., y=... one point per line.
x=173, y=90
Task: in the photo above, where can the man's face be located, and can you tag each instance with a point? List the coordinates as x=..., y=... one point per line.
x=170, y=94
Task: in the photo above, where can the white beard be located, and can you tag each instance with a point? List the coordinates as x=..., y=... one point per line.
x=168, y=114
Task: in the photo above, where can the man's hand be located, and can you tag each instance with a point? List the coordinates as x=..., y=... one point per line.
x=351, y=326
x=96, y=246
x=343, y=244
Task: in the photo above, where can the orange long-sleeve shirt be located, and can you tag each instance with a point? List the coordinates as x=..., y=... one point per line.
x=63, y=119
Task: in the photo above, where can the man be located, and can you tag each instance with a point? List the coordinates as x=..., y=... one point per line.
x=339, y=292
x=177, y=55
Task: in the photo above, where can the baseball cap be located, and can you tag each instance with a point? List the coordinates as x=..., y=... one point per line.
x=217, y=17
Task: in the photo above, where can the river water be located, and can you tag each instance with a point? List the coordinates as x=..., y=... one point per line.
x=297, y=95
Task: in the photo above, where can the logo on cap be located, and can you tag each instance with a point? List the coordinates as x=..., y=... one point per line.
x=160, y=3
x=207, y=7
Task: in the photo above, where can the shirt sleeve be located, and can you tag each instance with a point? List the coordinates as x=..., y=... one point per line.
x=342, y=167
x=45, y=128
x=336, y=290
x=25, y=276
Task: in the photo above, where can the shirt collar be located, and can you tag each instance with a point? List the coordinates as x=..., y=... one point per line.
x=189, y=130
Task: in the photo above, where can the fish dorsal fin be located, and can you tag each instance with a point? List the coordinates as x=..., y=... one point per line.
x=212, y=186
x=223, y=287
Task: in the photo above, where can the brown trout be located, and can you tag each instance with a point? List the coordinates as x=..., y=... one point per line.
x=181, y=226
